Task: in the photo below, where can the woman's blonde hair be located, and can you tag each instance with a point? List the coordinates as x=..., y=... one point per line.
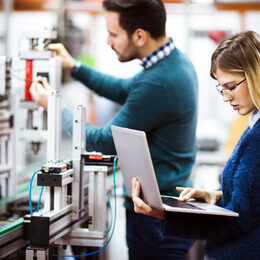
x=240, y=54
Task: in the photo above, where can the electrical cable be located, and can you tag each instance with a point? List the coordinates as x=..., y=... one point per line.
x=21, y=78
x=111, y=215
x=114, y=222
x=39, y=201
x=30, y=191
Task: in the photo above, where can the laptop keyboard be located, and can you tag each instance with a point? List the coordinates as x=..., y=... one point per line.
x=178, y=204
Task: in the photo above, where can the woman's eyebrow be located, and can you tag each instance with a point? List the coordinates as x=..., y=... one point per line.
x=227, y=83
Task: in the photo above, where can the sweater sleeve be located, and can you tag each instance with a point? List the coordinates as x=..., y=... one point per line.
x=245, y=195
x=113, y=88
x=143, y=110
x=244, y=199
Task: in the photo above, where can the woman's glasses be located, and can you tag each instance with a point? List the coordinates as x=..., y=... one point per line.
x=227, y=92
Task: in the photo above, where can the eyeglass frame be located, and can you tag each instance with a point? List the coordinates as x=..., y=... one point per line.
x=221, y=92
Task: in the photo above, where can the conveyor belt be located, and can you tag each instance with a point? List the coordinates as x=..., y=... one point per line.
x=8, y=225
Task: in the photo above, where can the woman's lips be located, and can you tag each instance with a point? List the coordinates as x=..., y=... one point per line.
x=235, y=107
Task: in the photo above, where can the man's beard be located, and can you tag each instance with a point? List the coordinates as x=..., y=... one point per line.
x=132, y=54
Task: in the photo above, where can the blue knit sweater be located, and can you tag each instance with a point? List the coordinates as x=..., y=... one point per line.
x=162, y=101
x=230, y=238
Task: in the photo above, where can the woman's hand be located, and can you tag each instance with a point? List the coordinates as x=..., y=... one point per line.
x=140, y=206
x=211, y=197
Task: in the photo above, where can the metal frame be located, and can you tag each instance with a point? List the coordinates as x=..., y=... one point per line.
x=62, y=221
x=7, y=134
x=61, y=216
x=79, y=145
x=79, y=196
x=97, y=197
x=11, y=242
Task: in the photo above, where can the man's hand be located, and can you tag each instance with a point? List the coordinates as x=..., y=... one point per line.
x=140, y=206
x=211, y=197
x=67, y=60
x=40, y=90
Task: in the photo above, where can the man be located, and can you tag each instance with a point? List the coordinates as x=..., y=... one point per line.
x=161, y=100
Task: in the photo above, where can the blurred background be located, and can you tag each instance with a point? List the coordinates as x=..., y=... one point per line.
x=197, y=27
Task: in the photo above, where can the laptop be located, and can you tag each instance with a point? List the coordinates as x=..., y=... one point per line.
x=134, y=159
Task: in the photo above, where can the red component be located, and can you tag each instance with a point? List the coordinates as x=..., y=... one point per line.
x=95, y=157
x=217, y=36
x=28, y=79
x=64, y=168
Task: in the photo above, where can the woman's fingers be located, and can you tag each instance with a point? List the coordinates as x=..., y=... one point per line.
x=136, y=188
x=186, y=193
x=140, y=206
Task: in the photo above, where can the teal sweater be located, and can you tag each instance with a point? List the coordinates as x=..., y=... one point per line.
x=162, y=101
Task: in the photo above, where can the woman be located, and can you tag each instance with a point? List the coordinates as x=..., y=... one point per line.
x=235, y=64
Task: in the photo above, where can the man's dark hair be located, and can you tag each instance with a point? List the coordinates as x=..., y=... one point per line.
x=148, y=15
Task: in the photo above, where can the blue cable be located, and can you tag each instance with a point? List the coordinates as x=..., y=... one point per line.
x=30, y=192
x=114, y=224
x=111, y=214
x=39, y=201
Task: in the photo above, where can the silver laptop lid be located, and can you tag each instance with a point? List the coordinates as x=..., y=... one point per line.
x=135, y=161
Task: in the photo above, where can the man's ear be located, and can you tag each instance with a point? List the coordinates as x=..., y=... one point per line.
x=140, y=37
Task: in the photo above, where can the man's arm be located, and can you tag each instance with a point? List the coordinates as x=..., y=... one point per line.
x=145, y=109
x=115, y=89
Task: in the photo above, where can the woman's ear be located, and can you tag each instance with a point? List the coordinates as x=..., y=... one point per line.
x=140, y=37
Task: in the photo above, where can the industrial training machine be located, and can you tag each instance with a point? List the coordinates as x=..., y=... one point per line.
x=74, y=208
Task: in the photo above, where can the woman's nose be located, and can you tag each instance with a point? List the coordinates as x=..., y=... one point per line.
x=227, y=97
x=109, y=40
